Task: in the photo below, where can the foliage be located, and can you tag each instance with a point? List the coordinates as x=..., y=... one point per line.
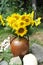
x=39, y=8
x=8, y=6
x=4, y=33
x=6, y=55
x=18, y=6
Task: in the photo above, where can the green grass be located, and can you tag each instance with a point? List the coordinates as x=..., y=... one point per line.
x=6, y=55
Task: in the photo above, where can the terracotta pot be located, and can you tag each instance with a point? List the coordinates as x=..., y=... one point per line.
x=19, y=46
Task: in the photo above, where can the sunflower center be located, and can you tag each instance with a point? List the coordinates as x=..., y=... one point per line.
x=22, y=23
x=21, y=30
x=23, y=17
x=16, y=17
x=26, y=20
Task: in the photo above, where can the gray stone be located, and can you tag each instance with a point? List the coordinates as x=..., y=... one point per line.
x=15, y=61
x=37, y=50
x=3, y=62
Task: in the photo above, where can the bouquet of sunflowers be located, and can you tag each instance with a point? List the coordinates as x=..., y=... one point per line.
x=21, y=24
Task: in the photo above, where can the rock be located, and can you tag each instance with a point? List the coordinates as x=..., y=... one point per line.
x=29, y=59
x=37, y=50
x=3, y=62
x=15, y=60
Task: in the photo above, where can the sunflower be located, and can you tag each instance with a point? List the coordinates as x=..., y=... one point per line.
x=1, y=20
x=14, y=26
x=10, y=20
x=21, y=31
x=0, y=17
x=27, y=19
x=21, y=23
x=16, y=16
x=32, y=15
x=32, y=22
x=23, y=16
x=37, y=21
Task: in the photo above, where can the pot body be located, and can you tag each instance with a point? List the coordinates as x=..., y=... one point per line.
x=19, y=46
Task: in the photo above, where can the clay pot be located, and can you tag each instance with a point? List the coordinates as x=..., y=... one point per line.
x=19, y=46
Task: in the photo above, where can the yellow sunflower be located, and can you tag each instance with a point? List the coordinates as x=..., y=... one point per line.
x=32, y=15
x=37, y=21
x=21, y=23
x=1, y=20
x=32, y=22
x=10, y=20
x=27, y=19
x=14, y=26
x=21, y=31
x=15, y=15
x=0, y=17
x=23, y=16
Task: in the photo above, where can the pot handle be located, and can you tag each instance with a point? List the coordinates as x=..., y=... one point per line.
x=12, y=38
